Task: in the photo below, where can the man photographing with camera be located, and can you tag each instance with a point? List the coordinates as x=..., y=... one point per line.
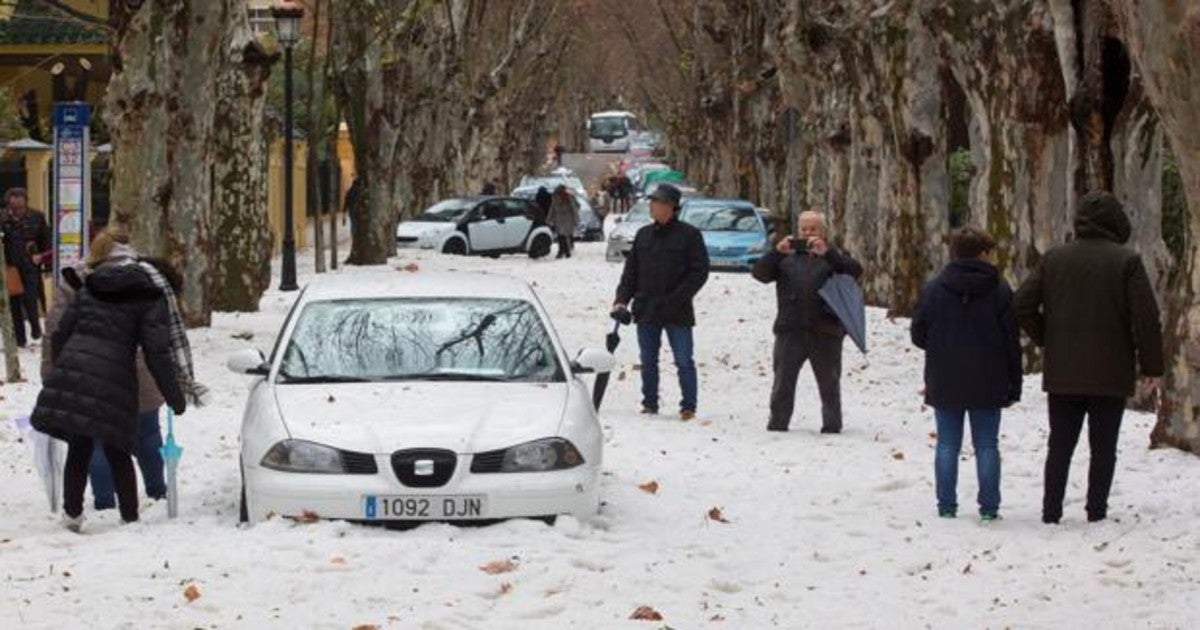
x=666, y=267
x=805, y=329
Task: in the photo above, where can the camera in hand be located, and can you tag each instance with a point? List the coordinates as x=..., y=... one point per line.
x=799, y=245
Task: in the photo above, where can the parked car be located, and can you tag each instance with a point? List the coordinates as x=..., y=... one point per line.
x=733, y=231
x=620, y=237
x=419, y=396
x=488, y=226
x=591, y=226
x=559, y=176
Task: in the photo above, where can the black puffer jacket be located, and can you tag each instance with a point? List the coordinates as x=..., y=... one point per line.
x=797, y=278
x=666, y=267
x=966, y=325
x=92, y=388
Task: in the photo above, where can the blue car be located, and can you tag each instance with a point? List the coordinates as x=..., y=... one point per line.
x=733, y=230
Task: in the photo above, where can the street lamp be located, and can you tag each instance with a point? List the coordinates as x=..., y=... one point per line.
x=287, y=16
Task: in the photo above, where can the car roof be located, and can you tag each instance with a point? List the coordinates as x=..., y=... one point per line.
x=393, y=283
x=612, y=112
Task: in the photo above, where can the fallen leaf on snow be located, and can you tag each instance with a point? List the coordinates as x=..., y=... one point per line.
x=716, y=515
x=308, y=516
x=649, y=486
x=331, y=399
x=366, y=626
x=646, y=613
x=505, y=587
x=898, y=456
x=337, y=560
x=411, y=267
x=499, y=566
x=621, y=375
x=967, y=569
x=192, y=593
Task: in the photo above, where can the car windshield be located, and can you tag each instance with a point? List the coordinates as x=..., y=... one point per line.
x=608, y=127
x=640, y=212
x=723, y=218
x=446, y=211
x=450, y=339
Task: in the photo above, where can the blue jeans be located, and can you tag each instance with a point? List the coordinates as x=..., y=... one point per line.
x=985, y=436
x=149, y=460
x=649, y=343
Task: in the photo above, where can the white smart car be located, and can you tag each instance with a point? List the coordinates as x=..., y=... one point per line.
x=395, y=396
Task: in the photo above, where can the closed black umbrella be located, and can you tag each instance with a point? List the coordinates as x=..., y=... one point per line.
x=611, y=341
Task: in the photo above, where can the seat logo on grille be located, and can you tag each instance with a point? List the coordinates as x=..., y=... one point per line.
x=423, y=467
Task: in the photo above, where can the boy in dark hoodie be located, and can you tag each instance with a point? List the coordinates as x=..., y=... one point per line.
x=966, y=325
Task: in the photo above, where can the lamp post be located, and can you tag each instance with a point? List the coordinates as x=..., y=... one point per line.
x=287, y=16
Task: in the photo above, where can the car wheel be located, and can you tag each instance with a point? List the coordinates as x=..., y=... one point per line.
x=540, y=246
x=455, y=247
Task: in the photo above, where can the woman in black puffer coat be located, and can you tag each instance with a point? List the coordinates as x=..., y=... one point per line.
x=91, y=392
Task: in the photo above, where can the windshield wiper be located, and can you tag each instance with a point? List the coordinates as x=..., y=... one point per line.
x=449, y=376
x=325, y=378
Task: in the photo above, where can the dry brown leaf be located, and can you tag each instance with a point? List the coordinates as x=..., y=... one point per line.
x=499, y=566
x=967, y=569
x=898, y=456
x=411, y=267
x=366, y=626
x=337, y=560
x=308, y=516
x=192, y=593
x=331, y=398
x=505, y=587
x=621, y=375
x=716, y=515
x=649, y=486
x=646, y=613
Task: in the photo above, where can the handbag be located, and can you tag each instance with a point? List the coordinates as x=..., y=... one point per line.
x=12, y=276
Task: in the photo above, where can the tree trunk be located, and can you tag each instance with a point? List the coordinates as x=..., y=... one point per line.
x=12, y=365
x=161, y=108
x=1163, y=38
x=242, y=257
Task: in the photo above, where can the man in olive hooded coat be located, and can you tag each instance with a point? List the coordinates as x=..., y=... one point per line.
x=1090, y=305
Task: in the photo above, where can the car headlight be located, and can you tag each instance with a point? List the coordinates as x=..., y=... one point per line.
x=537, y=456
x=300, y=456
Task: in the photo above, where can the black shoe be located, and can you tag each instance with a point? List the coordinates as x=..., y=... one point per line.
x=649, y=411
x=1050, y=519
x=776, y=426
x=831, y=429
x=1095, y=517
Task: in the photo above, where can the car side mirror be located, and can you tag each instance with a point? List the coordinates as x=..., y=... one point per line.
x=248, y=361
x=593, y=360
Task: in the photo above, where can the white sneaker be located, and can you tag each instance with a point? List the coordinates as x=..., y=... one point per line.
x=74, y=524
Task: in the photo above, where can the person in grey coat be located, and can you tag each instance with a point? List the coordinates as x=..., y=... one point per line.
x=804, y=328
x=564, y=219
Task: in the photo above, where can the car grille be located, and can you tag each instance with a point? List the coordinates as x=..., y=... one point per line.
x=359, y=463
x=489, y=462
x=408, y=464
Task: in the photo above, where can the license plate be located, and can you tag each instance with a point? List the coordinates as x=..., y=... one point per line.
x=424, y=507
x=725, y=262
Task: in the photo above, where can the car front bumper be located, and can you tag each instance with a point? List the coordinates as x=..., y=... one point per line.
x=508, y=495
x=617, y=250
x=739, y=262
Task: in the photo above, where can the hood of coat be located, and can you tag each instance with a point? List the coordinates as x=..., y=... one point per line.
x=1101, y=216
x=970, y=278
x=121, y=280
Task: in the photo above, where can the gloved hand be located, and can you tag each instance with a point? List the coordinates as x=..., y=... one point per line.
x=621, y=314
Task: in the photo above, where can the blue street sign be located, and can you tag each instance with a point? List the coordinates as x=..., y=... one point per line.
x=72, y=184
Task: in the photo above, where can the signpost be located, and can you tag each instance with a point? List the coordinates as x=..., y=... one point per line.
x=72, y=184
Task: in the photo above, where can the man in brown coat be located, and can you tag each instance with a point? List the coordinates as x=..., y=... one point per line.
x=1090, y=304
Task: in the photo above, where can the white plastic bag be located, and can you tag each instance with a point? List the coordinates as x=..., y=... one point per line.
x=49, y=459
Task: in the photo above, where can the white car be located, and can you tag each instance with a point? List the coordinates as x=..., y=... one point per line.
x=489, y=226
x=591, y=227
x=419, y=396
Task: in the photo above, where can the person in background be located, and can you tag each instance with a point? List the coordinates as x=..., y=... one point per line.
x=666, y=267
x=1090, y=304
x=964, y=322
x=542, y=201
x=490, y=187
x=805, y=329
x=564, y=219
x=28, y=247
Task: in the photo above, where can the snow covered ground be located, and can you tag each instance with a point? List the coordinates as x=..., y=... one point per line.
x=821, y=531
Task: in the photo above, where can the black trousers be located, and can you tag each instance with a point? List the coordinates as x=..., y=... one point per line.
x=564, y=246
x=25, y=307
x=79, y=460
x=1066, y=422
x=792, y=350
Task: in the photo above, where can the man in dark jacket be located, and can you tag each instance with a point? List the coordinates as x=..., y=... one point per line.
x=965, y=324
x=1090, y=304
x=27, y=242
x=667, y=265
x=542, y=200
x=804, y=327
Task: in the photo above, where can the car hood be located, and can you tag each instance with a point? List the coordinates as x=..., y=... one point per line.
x=420, y=228
x=627, y=229
x=384, y=417
x=732, y=240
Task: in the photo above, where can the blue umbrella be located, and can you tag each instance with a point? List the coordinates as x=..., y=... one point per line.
x=171, y=453
x=844, y=297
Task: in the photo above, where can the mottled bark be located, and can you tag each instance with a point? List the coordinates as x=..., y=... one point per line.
x=242, y=253
x=1163, y=38
x=161, y=103
x=12, y=365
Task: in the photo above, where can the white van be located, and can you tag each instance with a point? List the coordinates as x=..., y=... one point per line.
x=611, y=131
